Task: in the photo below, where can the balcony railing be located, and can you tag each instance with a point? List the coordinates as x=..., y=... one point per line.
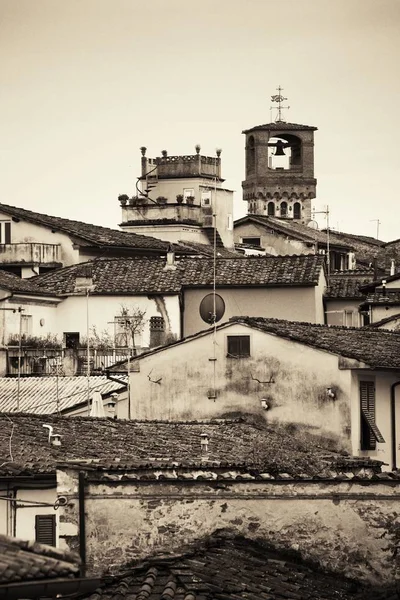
x=37, y=362
x=30, y=253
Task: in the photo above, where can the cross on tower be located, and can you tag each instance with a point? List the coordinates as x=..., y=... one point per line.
x=279, y=99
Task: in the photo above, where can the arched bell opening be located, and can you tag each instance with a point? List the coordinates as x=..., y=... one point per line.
x=284, y=152
x=284, y=209
x=297, y=210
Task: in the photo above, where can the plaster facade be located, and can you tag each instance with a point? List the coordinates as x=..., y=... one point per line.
x=344, y=526
x=289, y=302
x=180, y=383
x=343, y=312
x=274, y=244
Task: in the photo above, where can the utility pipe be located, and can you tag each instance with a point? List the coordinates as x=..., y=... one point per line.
x=82, y=522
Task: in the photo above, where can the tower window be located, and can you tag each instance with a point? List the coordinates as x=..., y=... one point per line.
x=250, y=155
x=284, y=210
x=271, y=209
x=297, y=210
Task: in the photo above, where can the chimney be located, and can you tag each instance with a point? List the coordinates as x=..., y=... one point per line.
x=204, y=443
x=111, y=407
x=157, y=331
x=170, y=264
x=55, y=439
x=84, y=278
x=392, y=266
x=384, y=286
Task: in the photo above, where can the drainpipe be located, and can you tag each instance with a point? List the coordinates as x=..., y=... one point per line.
x=393, y=421
x=82, y=522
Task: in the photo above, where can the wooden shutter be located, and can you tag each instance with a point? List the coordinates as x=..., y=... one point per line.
x=370, y=433
x=7, y=232
x=45, y=526
x=238, y=345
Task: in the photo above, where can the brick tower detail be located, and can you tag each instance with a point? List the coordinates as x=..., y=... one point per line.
x=280, y=170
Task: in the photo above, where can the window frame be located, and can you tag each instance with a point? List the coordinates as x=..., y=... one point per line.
x=240, y=338
x=251, y=238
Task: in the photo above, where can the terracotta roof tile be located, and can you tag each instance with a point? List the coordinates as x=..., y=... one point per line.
x=22, y=561
x=148, y=275
x=282, y=126
x=233, y=568
x=13, y=283
x=90, y=235
x=116, y=445
x=377, y=348
x=383, y=297
x=347, y=286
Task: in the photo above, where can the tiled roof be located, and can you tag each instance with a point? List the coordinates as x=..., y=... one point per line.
x=366, y=249
x=293, y=229
x=229, y=567
x=383, y=297
x=22, y=561
x=367, y=239
x=207, y=249
x=282, y=126
x=39, y=394
x=143, y=275
x=123, y=444
x=346, y=286
x=13, y=283
x=379, y=349
x=385, y=321
x=91, y=235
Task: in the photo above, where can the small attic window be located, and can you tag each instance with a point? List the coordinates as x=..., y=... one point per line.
x=238, y=346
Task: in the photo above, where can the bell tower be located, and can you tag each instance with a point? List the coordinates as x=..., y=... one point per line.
x=280, y=168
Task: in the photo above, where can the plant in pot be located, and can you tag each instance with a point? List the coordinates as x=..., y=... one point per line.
x=123, y=198
x=190, y=199
x=161, y=200
x=179, y=198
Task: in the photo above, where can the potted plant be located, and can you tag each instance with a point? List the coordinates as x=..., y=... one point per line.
x=123, y=198
x=190, y=199
x=161, y=200
x=179, y=198
x=164, y=153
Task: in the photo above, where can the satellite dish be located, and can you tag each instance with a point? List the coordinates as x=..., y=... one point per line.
x=312, y=224
x=206, y=308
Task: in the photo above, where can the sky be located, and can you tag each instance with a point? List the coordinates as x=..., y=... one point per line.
x=85, y=83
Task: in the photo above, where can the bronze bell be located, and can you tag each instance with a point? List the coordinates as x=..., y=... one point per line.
x=279, y=148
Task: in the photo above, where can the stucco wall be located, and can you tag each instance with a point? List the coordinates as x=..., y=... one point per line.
x=274, y=244
x=344, y=527
x=292, y=303
x=335, y=312
x=20, y=522
x=42, y=322
x=301, y=376
x=383, y=382
x=24, y=231
x=382, y=312
x=71, y=313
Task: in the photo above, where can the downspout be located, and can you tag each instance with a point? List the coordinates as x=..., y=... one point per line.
x=393, y=421
x=82, y=522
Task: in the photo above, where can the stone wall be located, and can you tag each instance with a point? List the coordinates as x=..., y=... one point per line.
x=345, y=526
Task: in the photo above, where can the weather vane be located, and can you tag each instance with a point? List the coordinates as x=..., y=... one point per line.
x=279, y=99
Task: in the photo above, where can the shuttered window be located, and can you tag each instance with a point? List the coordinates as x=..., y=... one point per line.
x=45, y=526
x=238, y=346
x=370, y=433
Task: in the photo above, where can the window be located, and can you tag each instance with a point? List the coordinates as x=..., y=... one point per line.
x=230, y=222
x=283, y=209
x=26, y=324
x=45, y=529
x=348, y=318
x=297, y=210
x=238, y=346
x=71, y=339
x=5, y=232
x=253, y=241
x=370, y=433
x=188, y=193
x=205, y=198
x=271, y=209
